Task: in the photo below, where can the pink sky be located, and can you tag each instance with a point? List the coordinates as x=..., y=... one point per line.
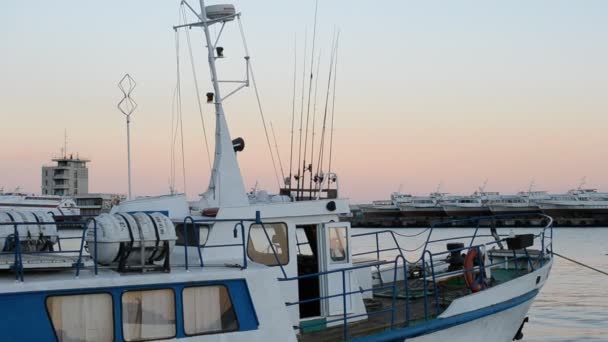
x=503, y=96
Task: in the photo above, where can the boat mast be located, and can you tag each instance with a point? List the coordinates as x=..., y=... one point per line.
x=226, y=186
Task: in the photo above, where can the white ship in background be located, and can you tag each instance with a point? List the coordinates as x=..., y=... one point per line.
x=473, y=205
x=576, y=200
x=57, y=205
x=427, y=206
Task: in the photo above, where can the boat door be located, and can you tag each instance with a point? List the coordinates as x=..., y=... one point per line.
x=336, y=254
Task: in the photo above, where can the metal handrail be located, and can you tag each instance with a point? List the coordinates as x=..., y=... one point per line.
x=345, y=317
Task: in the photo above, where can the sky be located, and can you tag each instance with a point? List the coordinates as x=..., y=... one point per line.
x=427, y=92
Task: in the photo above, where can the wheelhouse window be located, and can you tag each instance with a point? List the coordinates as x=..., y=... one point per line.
x=86, y=317
x=208, y=310
x=148, y=315
x=196, y=232
x=338, y=244
x=303, y=243
x=261, y=251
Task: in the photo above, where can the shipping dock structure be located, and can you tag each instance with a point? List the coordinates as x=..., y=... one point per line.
x=581, y=207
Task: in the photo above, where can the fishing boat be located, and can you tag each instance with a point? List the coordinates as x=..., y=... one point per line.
x=233, y=267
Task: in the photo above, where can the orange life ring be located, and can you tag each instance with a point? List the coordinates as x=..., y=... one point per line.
x=472, y=278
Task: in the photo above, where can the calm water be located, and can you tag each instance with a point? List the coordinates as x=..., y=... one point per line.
x=573, y=305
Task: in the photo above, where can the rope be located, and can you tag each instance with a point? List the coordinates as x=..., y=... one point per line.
x=415, y=249
x=257, y=95
x=173, y=138
x=414, y=235
x=179, y=109
x=198, y=93
x=276, y=148
x=581, y=264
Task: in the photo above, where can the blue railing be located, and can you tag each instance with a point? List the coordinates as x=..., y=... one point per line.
x=189, y=223
x=427, y=262
x=18, y=253
x=345, y=293
x=239, y=225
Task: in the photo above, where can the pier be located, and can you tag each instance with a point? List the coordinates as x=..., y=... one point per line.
x=395, y=218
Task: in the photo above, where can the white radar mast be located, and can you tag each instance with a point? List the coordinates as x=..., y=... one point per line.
x=226, y=187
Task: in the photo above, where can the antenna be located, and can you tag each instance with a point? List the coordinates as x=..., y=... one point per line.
x=65, y=143
x=439, y=186
x=482, y=188
x=531, y=187
x=127, y=106
x=582, y=183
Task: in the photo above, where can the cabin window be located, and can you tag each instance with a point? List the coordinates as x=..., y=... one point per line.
x=208, y=310
x=194, y=231
x=148, y=314
x=260, y=251
x=303, y=243
x=86, y=317
x=338, y=244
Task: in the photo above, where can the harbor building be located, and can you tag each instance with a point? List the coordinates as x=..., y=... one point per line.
x=68, y=177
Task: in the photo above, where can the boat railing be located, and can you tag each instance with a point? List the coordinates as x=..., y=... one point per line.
x=545, y=235
x=239, y=225
x=77, y=255
x=345, y=316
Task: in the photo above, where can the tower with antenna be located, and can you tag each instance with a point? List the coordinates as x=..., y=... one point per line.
x=69, y=176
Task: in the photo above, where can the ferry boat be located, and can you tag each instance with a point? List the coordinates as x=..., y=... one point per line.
x=470, y=206
x=58, y=205
x=424, y=206
x=579, y=202
x=385, y=212
x=507, y=204
x=236, y=268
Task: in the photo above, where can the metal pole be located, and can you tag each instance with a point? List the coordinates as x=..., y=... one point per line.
x=129, y=154
x=127, y=106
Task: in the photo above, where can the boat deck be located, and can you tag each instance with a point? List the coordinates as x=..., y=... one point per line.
x=379, y=313
x=448, y=290
x=44, y=261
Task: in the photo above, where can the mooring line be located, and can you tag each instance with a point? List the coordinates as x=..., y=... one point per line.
x=581, y=264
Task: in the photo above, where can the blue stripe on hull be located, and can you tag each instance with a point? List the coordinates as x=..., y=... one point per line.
x=25, y=318
x=448, y=322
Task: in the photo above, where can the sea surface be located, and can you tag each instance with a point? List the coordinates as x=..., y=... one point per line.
x=572, y=306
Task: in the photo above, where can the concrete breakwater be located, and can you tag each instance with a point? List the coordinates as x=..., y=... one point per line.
x=396, y=218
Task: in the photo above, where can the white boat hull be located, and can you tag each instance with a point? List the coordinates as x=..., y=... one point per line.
x=494, y=314
x=499, y=327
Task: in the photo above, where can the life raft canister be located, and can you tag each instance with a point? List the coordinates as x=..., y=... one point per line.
x=474, y=279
